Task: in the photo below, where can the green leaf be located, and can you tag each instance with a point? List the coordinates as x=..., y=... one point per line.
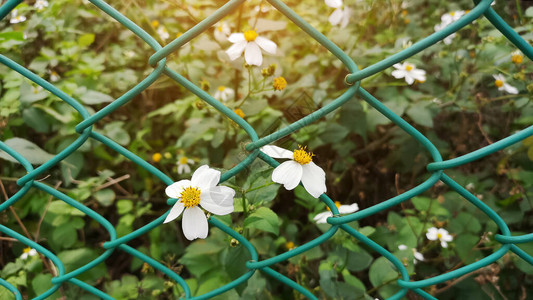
x=30, y=94
x=11, y=35
x=73, y=259
x=464, y=246
x=124, y=206
x=41, y=283
x=30, y=151
x=106, y=197
x=263, y=219
x=93, y=97
x=420, y=114
x=382, y=271
x=64, y=236
x=86, y=39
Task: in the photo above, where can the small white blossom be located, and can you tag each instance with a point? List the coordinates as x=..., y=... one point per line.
x=470, y=186
x=202, y=190
x=27, y=252
x=402, y=247
x=440, y=234
x=221, y=31
x=341, y=15
x=300, y=167
x=409, y=72
x=163, y=33
x=322, y=217
x=40, y=4
x=53, y=76
x=262, y=8
x=15, y=18
x=224, y=93
x=499, y=81
x=251, y=44
x=183, y=165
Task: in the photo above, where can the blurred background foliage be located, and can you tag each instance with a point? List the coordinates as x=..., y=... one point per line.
x=367, y=159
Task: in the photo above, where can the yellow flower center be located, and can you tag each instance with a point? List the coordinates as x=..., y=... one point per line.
x=517, y=58
x=157, y=157
x=408, y=68
x=452, y=13
x=337, y=203
x=219, y=28
x=239, y=112
x=439, y=236
x=183, y=160
x=250, y=35
x=190, y=197
x=289, y=245
x=279, y=83
x=498, y=83
x=155, y=23
x=26, y=250
x=221, y=88
x=301, y=156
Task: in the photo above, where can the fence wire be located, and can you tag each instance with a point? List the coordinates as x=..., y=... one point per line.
x=354, y=76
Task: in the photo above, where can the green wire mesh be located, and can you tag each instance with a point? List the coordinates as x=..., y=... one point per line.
x=352, y=80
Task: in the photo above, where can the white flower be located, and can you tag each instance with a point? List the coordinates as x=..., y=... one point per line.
x=322, y=217
x=418, y=256
x=163, y=33
x=249, y=42
x=409, y=72
x=224, y=93
x=53, y=76
x=28, y=252
x=40, y=4
x=470, y=186
x=222, y=31
x=15, y=18
x=201, y=190
x=447, y=40
x=341, y=15
x=300, y=167
x=440, y=234
x=499, y=81
x=129, y=53
x=183, y=165
x=452, y=16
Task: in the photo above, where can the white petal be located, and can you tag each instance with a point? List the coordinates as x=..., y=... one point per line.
x=334, y=3
x=348, y=209
x=322, y=217
x=204, y=177
x=24, y=255
x=32, y=252
x=236, y=38
x=194, y=223
x=252, y=54
x=402, y=247
x=510, y=89
x=499, y=77
x=235, y=51
x=444, y=244
x=314, y=179
x=174, y=190
x=186, y=168
x=175, y=211
x=277, y=152
x=419, y=256
x=447, y=238
x=335, y=17
x=218, y=200
x=267, y=45
x=288, y=173
x=398, y=74
x=399, y=66
x=345, y=17
x=180, y=169
x=409, y=79
x=432, y=233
